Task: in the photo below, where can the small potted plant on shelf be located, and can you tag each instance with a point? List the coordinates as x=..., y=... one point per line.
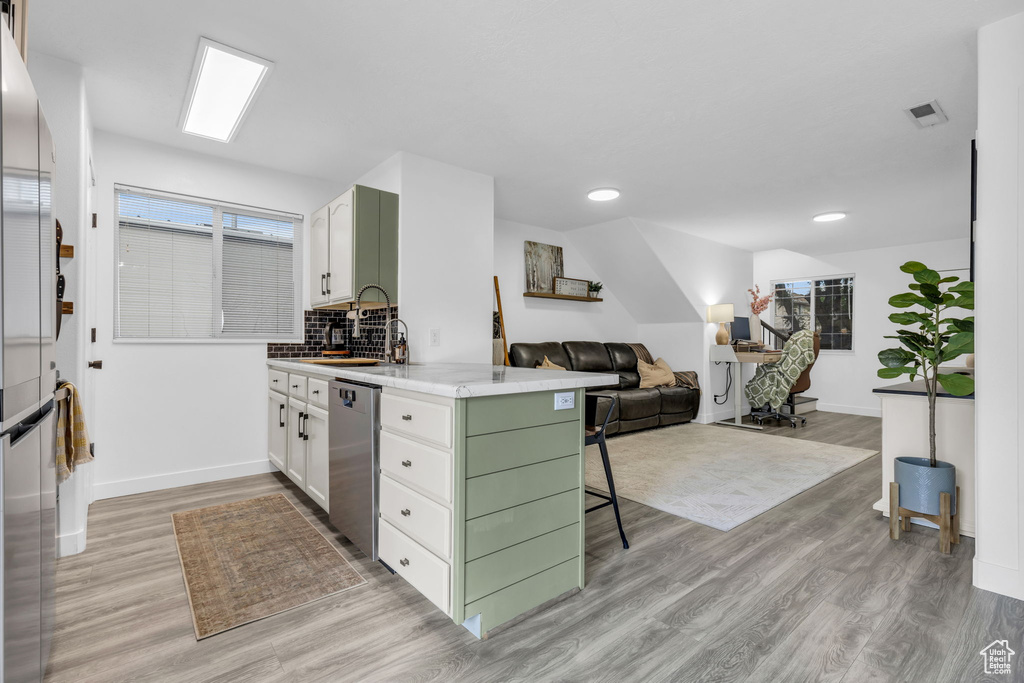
x=758, y=305
x=931, y=337
x=595, y=289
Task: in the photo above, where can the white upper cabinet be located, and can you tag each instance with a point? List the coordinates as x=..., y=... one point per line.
x=339, y=287
x=319, y=263
x=354, y=242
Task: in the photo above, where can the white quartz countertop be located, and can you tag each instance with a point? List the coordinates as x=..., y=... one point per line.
x=455, y=380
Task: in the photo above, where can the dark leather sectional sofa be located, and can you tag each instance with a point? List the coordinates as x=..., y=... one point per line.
x=635, y=408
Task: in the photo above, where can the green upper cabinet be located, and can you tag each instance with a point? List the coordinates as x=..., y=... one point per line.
x=354, y=242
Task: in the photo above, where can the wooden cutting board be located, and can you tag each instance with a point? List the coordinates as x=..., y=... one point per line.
x=340, y=361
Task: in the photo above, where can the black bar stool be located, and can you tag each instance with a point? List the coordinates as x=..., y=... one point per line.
x=595, y=435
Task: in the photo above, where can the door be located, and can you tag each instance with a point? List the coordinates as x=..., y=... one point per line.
x=47, y=260
x=319, y=256
x=339, y=282
x=317, y=452
x=22, y=543
x=296, y=469
x=48, y=526
x=21, y=241
x=277, y=434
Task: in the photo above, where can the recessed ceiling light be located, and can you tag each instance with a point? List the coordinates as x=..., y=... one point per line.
x=829, y=217
x=603, y=194
x=224, y=83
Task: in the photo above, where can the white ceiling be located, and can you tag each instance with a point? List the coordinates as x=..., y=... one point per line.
x=736, y=121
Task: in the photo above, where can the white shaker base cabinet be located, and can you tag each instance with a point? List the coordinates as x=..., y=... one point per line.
x=297, y=432
x=296, y=469
x=317, y=475
x=277, y=435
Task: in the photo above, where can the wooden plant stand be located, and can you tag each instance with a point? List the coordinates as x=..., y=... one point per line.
x=949, y=525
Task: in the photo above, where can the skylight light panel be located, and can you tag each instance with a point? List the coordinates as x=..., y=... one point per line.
x=224, y=83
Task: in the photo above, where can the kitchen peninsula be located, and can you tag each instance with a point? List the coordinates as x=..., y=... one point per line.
x=480, y=476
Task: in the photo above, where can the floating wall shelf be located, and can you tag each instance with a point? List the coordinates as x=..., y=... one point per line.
x=566, y=297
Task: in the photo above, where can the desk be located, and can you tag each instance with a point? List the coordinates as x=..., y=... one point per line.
x=726, y=354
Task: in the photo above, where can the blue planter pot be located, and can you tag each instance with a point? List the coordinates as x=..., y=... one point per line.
x=921, y=484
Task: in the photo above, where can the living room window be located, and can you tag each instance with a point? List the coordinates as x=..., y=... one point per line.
x=827, y=301
x=195, y=269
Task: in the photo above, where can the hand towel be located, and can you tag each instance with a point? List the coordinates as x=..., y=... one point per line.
x=72, y=435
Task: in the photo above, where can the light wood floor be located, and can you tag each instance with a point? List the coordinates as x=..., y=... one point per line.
x=812, y=590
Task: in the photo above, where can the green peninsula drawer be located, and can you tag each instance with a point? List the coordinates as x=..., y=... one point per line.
x=503, y=413
x=512, y=565
x=498, y=530
x=508, y=488
x=506, y=450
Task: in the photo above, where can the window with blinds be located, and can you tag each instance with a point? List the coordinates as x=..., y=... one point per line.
x=824, y=305
x=190, y=268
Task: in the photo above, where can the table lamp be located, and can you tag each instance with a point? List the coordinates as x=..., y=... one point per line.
x=721, y=314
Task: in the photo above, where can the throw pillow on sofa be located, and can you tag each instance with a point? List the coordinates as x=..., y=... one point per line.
x=548, y=365
x=656, y=374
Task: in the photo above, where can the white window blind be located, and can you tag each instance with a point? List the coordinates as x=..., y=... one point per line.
x=190, y=268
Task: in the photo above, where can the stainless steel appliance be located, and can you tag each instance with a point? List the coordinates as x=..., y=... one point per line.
x=27, y=373
x=354, y=462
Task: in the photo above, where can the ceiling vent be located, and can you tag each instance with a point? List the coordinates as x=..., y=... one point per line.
x=927, y=114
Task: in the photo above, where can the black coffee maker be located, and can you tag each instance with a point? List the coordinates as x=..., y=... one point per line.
x=334, y=339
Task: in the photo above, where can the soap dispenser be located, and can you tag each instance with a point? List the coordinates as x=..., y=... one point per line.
x=401, y=351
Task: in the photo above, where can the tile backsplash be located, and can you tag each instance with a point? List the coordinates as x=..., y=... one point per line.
x=370, y=343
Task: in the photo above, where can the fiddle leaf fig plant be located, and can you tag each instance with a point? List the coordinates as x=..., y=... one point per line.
x=930, y=336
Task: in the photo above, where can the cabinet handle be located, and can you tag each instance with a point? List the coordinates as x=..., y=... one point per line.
x=406, y=512
x=407, y=463
x=280, y=415
x=316, y=391
x=328, y=283
x=295, y=386
x=299, y=421
x=305, y=427
x=404, y=562
x=407, y=417
x=323, y=283
x=274, y=381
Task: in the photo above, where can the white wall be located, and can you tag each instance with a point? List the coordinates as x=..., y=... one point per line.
x=60, y=86
x=999, y=554
x=181, y=413
x=842, y=381
x=445, y=255
x=537, y=320
x=706, y=273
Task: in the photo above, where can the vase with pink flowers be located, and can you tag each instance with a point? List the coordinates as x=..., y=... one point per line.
x=758, y=305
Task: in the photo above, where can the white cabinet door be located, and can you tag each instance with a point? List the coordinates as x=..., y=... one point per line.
x=296, y=470
x=317, y=477
x=319, y=251
x=277, y=425
x=340, y=287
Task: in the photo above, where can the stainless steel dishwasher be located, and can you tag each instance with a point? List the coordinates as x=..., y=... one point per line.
x=354, y=462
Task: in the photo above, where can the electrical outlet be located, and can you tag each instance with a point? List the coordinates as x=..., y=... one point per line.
x=435, y=336
x=565, y=400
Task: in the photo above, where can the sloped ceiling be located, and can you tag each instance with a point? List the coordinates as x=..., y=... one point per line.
x=733, y=120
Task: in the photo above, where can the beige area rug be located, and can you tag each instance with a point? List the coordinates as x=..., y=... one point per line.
x=254, y=558
x=716, y=476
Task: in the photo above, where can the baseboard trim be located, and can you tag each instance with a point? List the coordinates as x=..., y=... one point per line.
x=71, y=544
x=998, y=579
x=128, y=487
x=848, y=410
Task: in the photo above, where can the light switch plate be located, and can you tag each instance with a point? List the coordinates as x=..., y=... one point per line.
x=435, y=336
x=565, y=400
